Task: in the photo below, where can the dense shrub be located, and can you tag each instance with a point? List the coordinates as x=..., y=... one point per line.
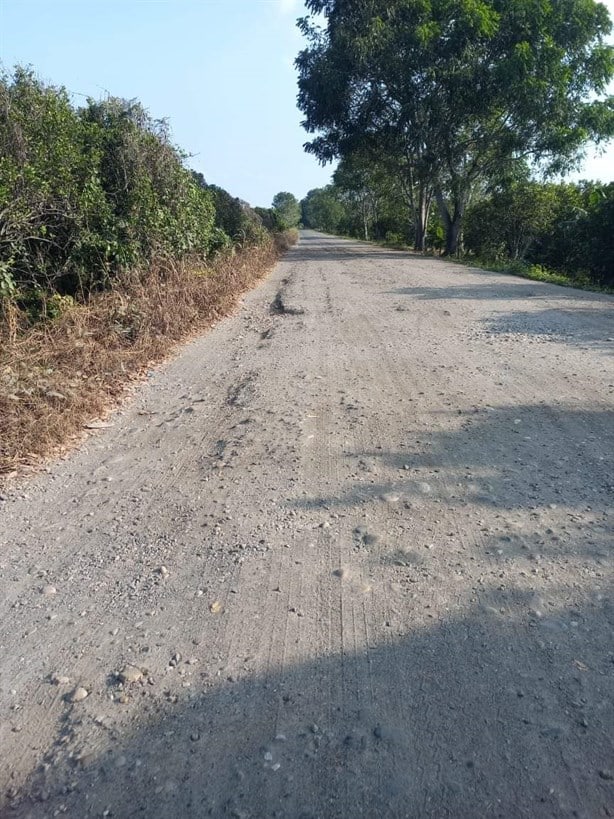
x=568, y=229
x=85, y=193
x=287, y=210
x=271, y=220
x=235, y=217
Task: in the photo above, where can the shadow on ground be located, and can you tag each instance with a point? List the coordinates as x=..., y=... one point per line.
x=324, y=249
x=499, y=287
x=502, y=460
x=578, y=326
x=483, y=715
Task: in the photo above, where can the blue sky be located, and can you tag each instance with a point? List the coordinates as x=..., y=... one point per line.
x=220, y=70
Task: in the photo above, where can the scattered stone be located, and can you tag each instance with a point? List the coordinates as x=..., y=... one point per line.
x=607, y=775
x=79, y=694
x=130, y=674
x=537, y=608
x=163, y=571
x=194, y=736
x=216, y=607
x=340, y=573
x=60, y=679
x=49, y=591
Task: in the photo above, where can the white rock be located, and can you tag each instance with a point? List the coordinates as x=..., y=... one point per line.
x=130, y=674
x=79, y=694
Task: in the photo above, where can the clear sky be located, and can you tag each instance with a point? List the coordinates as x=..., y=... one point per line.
x=220, y=70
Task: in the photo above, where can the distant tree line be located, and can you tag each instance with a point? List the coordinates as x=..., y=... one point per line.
x=565, y=228
x=442, y=112
x=89, y=192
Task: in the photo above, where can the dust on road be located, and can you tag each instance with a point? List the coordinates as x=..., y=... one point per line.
x=350, y=554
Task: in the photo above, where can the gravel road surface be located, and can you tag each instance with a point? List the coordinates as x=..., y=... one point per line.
x=349, y=554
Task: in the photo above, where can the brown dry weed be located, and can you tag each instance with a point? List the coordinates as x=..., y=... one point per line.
x=57, y=376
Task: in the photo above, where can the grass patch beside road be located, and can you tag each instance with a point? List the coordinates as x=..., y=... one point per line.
x=58, y=375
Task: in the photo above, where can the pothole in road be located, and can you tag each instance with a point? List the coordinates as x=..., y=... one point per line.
x=281, y=307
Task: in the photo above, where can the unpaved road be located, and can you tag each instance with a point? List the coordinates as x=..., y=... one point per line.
x=355, y=549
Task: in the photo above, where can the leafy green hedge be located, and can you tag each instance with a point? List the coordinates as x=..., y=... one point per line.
x=86, y=192
x=565, y=229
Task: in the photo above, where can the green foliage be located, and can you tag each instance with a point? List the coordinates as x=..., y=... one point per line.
x=453, y=93
x=8, y=288
x=85, y=193
x=233, y=216
x=271, y=220
x=287, y=210
x=564, y=230
x=322, y=209
x=511, y=221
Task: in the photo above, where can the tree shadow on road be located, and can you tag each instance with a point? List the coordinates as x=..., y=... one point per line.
x=499, y=460
x=484, y=714
x=498, y=287
x=584, y=327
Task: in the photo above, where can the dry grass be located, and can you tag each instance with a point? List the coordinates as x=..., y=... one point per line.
x=59, y=375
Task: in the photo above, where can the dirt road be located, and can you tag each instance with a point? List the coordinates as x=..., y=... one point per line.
x=350, y=554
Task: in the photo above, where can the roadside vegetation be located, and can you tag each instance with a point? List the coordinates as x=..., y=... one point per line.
x=450, y=121
x=111, y=251
x=561, y=233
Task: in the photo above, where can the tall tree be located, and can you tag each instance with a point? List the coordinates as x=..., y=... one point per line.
x=323, y=209
x=455, y=91
x=287, y=208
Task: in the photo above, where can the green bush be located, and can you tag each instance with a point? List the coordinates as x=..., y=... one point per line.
x=547, y=230
x=86, y=193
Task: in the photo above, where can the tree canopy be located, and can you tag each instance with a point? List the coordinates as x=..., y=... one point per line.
x=453, y=92
x=287, y=209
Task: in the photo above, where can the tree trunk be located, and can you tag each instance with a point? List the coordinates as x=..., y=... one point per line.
x=365, y=218
x=421, y=220
x=454, y=236
x=452, y=223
